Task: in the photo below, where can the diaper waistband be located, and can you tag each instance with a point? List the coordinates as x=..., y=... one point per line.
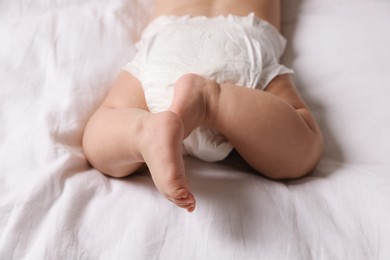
x=250, y=19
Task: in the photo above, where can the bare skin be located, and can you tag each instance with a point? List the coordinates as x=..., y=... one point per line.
x=281, y=140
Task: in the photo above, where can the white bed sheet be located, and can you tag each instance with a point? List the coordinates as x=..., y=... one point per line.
x=57, y=61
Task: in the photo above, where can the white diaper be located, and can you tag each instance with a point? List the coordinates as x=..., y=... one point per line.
x=243, y=50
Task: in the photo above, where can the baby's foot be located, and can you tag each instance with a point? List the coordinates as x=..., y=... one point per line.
x=194, y=104
x=195, y=101
x=162, y=152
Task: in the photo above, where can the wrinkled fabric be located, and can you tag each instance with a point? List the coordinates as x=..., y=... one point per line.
x=58, y=60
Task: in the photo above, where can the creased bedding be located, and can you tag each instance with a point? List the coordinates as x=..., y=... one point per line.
x=57, y=61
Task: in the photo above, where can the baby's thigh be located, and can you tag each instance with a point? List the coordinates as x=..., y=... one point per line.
x=126, y=92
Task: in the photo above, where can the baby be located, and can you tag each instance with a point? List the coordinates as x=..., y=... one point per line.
x=206, y=79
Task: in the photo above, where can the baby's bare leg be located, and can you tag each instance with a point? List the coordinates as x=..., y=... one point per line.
x=275, y=138
x=122, y=135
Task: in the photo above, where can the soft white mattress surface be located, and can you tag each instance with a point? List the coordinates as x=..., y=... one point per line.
x=57, y=61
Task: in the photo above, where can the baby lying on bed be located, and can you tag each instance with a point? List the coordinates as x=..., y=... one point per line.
x=206, y=79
